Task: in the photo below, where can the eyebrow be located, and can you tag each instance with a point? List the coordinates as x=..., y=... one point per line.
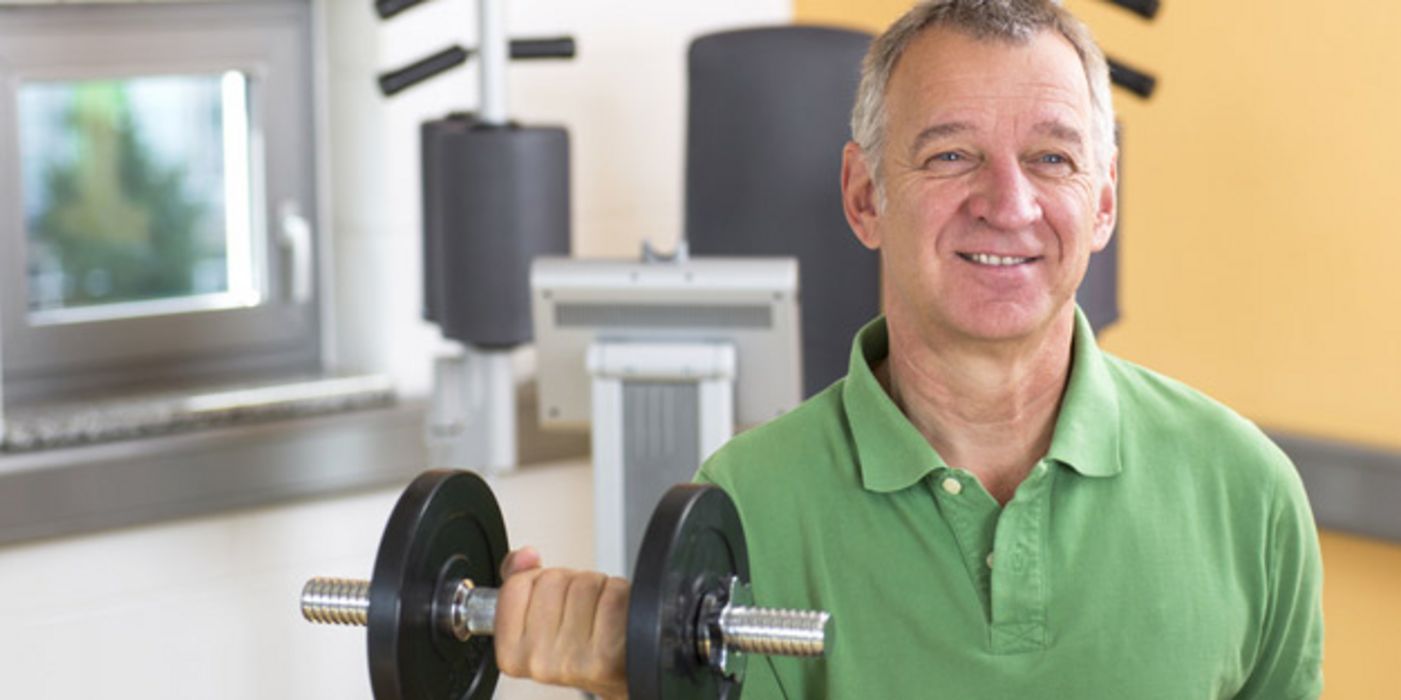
x=1060, y=130
x=1054, y=128
x=936, y=132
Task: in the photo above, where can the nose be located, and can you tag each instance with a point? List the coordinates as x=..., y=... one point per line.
x=1003, y=197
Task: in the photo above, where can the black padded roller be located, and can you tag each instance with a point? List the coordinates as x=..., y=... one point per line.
x=495, y=198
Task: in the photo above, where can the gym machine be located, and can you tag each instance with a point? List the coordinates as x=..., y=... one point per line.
x=430, y=606
x=663, y=358
x=495, y=196
x=1135, y=80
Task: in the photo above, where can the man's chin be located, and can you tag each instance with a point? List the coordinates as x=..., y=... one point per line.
x=1005, y=323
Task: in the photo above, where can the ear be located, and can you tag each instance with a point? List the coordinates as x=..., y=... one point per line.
x=859, y=196
x=1107, y=214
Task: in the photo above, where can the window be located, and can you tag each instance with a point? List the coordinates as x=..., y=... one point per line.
x=135, y=196
x=157, y=195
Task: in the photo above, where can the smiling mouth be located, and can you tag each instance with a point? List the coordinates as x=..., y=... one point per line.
x=996, y=260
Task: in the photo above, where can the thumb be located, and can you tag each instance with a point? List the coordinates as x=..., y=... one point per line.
x=519, y=560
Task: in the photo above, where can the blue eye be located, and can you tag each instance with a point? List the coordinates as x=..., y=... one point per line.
x=950, y=163
x=1054, y=159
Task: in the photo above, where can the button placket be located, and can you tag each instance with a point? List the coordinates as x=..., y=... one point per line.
x=971, y=517
x=1018, y=593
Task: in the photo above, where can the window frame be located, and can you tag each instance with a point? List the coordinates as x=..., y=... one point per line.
x=272, y=43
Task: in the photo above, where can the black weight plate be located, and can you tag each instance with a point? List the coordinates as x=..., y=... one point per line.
x=446, y=524
x=694, y=542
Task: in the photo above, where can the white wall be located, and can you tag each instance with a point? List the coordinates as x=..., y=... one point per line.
x=205, y=608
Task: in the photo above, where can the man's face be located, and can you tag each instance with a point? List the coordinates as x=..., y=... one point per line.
x=994, y=197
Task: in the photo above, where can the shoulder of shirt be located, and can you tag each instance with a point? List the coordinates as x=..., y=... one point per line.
x=813, y=433
x=1169, y=409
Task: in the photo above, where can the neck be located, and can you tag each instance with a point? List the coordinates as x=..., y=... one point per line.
x=987, y=407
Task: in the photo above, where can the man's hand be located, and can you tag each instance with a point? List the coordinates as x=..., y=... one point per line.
x=562, y=627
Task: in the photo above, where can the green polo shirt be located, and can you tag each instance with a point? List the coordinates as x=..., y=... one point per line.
x=1162, y=549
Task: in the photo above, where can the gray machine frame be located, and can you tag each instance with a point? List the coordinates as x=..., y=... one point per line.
x=664, y=359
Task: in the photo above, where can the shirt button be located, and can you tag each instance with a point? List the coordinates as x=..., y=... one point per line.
x=990, y=559
x=953, y=486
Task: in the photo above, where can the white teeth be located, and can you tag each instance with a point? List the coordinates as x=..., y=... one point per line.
x=996, y=260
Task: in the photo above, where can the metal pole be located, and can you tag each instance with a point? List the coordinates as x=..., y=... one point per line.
x=494, y=51
x=3, y=432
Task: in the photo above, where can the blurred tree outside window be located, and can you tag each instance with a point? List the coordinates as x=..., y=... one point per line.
x=135, y=190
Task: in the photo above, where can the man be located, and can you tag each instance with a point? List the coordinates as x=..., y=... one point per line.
x=989, y=505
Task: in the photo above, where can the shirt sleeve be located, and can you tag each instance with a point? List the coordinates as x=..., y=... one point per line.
x=1290, y=662
x=761, y=680
x=702, y=477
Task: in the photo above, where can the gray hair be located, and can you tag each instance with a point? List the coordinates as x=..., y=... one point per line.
x=1015, y=21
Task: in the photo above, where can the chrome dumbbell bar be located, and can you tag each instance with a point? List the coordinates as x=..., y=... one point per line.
x=471, y=610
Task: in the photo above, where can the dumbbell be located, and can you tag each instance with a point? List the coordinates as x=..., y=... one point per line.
x=430, y=606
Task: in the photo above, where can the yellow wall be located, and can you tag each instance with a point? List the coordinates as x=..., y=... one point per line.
x=1261, y=244
x=1362, y=618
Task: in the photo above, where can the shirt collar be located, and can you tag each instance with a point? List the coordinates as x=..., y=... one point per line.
x=894, y=455
x=1087, y=430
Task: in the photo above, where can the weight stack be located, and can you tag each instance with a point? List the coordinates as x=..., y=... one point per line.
x=494, y=198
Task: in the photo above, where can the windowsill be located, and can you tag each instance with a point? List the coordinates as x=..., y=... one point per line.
x=166, y=412
x=248, y=461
